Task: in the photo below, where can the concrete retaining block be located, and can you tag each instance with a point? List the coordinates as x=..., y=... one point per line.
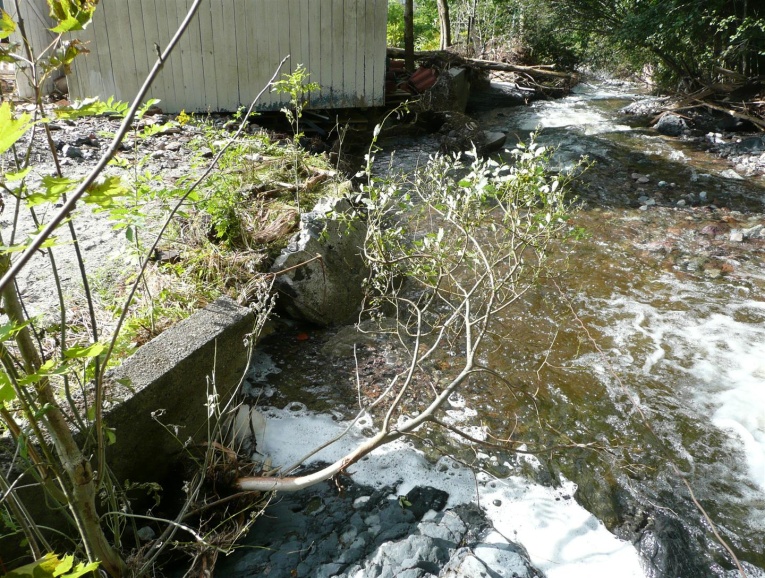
x=172, y=375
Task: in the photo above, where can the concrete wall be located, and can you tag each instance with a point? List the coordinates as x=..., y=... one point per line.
x=170, y=373
x=173, y=374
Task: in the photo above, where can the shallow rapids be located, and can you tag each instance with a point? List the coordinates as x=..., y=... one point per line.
x=637, y=367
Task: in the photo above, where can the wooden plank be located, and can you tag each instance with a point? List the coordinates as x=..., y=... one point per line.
x=282, y=28
x=381, y=43
x=165, y=29
x=305, y=40
x=174, y=64
x=295, y=45
x=249, y=59
x=242, y=52
x=351, y=53
x=279, y=27
x=219, y=39
x=152, y=37
x=99, y=81
x=313, y=28
x=143, y=49
x=326, y=35
x=201, y=97
x=184, y=60
x=208, y=55
x=261, y=12
x=367, y=49
x=338, y=53
x=225, y=50
x=123, y=50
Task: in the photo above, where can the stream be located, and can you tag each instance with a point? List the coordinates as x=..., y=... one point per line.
x=642, y=365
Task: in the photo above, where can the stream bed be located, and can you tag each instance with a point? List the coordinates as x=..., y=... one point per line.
x=638, y=375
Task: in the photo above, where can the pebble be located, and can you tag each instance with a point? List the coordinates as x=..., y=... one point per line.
x=663, y=184
x=72, y=152
x=643, y=180
x=736, y=236
x=702, y=196
x=681, y=203
x=731, y=174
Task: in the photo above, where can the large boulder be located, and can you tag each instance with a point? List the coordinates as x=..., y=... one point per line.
x=329, y=290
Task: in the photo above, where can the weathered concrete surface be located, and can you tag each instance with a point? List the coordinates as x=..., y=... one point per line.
x=450, y=93
x=171, y=375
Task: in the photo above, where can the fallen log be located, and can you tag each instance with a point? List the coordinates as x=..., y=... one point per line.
x=534, y=72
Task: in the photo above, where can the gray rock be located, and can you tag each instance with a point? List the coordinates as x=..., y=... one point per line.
x=494, y=141
x=671, y=125
x=328, y=291
x=72, y=152
x=753, y=232
x=731, y=174
x=755, y=144
x=736, y=236
x=681, y=203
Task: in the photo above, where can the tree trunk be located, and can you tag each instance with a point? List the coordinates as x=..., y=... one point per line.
x=471, y=29
x=445, y=24
x=409, y=35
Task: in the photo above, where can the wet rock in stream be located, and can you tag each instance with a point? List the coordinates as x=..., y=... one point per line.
x=357, y=532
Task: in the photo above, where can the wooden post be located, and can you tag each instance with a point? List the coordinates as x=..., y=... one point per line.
x=409, y=35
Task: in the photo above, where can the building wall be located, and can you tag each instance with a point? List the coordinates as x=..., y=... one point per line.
x=36, y=23
x=232, y=49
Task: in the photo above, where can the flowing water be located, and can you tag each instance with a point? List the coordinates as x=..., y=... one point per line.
x=642, y=367
x=670, y=370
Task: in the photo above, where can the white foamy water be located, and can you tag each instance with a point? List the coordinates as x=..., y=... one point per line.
x=562, y=539
x=712, y=355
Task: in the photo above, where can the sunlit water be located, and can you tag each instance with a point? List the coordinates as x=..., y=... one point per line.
x=642, y=367
x=673, y=369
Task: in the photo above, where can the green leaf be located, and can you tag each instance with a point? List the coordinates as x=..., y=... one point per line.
x=104, y=193
x=7, y=393
x=64, y=566
x=42, y=568
x=47, y=369
x=13, y=177
x=71, y=15
x=80, y=352
x=55, y=187
x=11, y=130
x=7, y=25
x=47, y=244
x=92, y=107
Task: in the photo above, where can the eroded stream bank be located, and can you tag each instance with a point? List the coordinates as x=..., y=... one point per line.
x=643, y=358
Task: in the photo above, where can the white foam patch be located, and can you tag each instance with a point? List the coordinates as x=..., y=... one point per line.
x=714, y=355
x=562, y=539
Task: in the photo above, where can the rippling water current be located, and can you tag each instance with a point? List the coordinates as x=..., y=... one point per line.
x=644, y=367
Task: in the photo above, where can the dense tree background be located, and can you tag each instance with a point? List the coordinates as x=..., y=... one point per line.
x=681, y=44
